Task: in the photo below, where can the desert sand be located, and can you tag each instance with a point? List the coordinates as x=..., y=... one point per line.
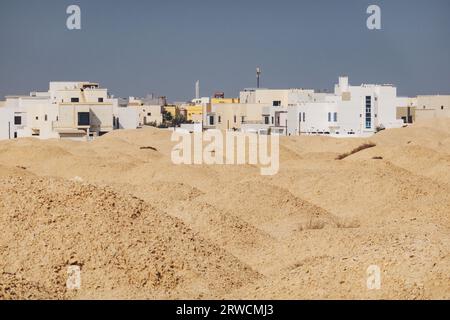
x=141, y=227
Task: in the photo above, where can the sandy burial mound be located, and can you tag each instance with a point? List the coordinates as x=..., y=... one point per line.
x=125, y=248
x=140, y=227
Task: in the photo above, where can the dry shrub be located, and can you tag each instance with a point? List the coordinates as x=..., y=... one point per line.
x=313, y=224
x=348, y=224
x=356, y=150
x=149, y=148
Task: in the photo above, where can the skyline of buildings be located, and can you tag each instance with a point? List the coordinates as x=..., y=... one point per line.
x=83, y=110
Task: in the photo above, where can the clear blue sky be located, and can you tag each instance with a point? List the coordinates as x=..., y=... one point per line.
x=134, y=47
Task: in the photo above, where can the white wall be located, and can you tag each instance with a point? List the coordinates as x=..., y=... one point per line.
x=127, y=118
x=314, y=118
x=6, y=123
x=268, y=96
x=191, y=127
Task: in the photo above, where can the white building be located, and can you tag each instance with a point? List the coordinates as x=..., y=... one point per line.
x=349, y=111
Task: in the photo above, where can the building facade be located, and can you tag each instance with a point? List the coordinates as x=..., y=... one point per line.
x=432, y=106
x=72, y=110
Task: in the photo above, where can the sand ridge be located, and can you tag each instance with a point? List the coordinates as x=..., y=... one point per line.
x=141, y=227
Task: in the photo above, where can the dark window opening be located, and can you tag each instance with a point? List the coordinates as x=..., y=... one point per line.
x=83, y=119
x=100, y=100
x=17, y=121
x=368, y=112
x=266, y=120
x=46, y=118
x=277, y=103
x=74, y=100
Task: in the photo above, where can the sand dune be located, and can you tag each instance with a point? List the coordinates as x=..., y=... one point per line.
x=141, y=227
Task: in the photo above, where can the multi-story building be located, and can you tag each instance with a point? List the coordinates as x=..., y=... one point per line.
x=74, y=110
x=349, y=111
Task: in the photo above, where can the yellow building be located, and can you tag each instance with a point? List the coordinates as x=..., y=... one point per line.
x=224, y=100
x=173, y=110
x=194, y=113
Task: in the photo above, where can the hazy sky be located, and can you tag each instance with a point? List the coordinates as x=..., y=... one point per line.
x=135, y=47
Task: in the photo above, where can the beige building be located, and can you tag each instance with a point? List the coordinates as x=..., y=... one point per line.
x=429, y=107
x=231, y=116
x=148, y=114
x=276, y=97
x=75, y=110
x=83, y=109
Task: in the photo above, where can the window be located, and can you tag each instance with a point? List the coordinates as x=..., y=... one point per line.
x=46, y=118
x=273, y=120
x=442, y=107
x=149, y=114
x=335, y=117
x=266, y=120
x=242, y=119
x=17, y=120
x=235, y=119
x=211, y=120
x=368, y=112
x=219, y=119
x=74, y=100
x=304, y=117
x=277, y=103
x=329, y=116
x=83, y=119
x=37, y=118
x=100, y=100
